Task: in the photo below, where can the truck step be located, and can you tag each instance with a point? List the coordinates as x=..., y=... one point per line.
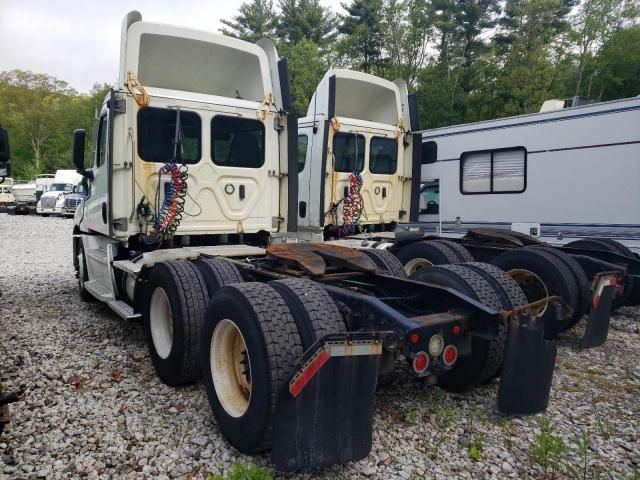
x=98, y=290
x=97, y=255
x=123, y=309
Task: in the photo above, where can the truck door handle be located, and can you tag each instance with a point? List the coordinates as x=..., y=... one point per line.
x=104, y=212
x=346, y=191
x=302, y=209
x=241, y=192
x=384, y=192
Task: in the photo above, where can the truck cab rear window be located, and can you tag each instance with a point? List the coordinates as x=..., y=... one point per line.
x=156, y=134
x=237, y=142
x=348, y=152
x=383, y=156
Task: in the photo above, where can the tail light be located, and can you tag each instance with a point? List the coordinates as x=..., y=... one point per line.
x=420, y=363
x=450, y=355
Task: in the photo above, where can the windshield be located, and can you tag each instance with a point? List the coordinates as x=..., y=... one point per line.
x=61, y=187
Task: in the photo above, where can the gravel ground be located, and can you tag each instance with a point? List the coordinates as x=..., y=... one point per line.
x=94, y=407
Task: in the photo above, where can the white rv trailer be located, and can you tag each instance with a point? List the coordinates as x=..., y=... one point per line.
x=559, y=175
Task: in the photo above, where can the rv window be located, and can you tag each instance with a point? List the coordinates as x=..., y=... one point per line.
x=237, y=142
x=348, y=152
x=493, y=171
x=102, y=142
x=156, y=135
x=383, y=155
x=303, y=141
x=429, y=152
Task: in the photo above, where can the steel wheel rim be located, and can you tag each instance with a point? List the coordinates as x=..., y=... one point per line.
x=533, y=288
x=230, y=368
x=161, y=323
x=415, y=264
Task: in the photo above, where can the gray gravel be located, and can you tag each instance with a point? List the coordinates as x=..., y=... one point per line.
x=94, y=407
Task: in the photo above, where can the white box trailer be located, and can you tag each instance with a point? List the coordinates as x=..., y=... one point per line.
x=559, y=176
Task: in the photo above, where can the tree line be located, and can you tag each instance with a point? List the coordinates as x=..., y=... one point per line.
x=467, y=60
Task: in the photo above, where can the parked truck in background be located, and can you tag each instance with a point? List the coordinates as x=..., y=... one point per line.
x=6, y=195
x=191, y=224
x=52, y=202
x=360, y=170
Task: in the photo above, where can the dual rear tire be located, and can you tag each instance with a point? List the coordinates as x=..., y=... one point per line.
x=492, y=287
x=253, y=335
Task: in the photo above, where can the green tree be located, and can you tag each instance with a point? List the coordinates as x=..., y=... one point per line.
x=256, y=19
x=306, y=70
x=363, y=38
x=35, y=100
x=619, y=65
x=305, y=19
x=593, y=23
x=405, y=35
x=533, y=43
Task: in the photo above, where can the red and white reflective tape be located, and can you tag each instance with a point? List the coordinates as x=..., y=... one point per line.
x=604, y=282
x=322, y=356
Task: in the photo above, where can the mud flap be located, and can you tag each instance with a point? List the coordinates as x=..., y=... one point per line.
x=597, y=329
x=525, y=383
x=324, y=415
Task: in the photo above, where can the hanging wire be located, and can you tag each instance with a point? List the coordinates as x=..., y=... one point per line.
x=169, y=212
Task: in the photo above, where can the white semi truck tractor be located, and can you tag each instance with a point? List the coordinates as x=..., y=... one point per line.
x=191, y=225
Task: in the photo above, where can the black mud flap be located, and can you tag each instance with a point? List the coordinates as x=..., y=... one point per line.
x=597, y=329
x=525, y=383
x=324, y=415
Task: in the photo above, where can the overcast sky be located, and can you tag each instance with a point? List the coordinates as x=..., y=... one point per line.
x=78, y=41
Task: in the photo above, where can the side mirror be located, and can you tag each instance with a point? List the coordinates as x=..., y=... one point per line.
x=5, y=154
x=78, y=153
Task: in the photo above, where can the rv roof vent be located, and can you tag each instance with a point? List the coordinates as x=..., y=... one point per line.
x=556, y=104
x=551, y=105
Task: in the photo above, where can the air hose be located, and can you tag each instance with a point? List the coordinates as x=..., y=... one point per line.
x=169, y=214
x=352, y=207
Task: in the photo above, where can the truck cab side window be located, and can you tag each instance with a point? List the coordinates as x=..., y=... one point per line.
x=348, y=152
x=102, y=142
x=383, y=156
x=156, y=134
x=303, y=141
x=237, y=142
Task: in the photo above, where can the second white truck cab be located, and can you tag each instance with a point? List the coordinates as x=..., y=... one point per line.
x=356, y=152
x=52, y=201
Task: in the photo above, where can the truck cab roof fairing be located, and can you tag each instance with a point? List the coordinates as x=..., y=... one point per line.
x=186, y=60
x=359, y=96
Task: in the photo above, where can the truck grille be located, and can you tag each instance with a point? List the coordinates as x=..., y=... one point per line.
x=48, y=202
x=71, y=203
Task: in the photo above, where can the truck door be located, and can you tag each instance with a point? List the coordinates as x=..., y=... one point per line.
x=382, y=188
x=305, y=136
x=96, y=204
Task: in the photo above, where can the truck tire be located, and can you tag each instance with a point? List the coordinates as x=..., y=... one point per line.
x=418, y=255
x=540, y=274
x=11, y=210
x=387, y=261
x=487, y=355
x=313, y=309
x=631, y=293
x=83, y=275
x=462, y=253
x=218, y=273
x=248, y=325
x=173, y=312
x=584, y=286
x=511, y=295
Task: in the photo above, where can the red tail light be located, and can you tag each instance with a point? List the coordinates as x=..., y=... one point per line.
x=450, y=355
x=420, y=362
